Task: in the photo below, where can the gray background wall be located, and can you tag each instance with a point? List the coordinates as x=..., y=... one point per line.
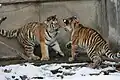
x=113, y=20
x=98, y=14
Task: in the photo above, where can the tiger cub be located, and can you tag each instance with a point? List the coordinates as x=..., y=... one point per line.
x=88, y=39
x=35, y=33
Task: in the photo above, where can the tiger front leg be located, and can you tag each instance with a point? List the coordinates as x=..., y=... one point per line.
x=73, y=54
x=56, y=47
x=44, y=51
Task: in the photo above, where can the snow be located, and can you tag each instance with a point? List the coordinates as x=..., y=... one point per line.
x=28, y=71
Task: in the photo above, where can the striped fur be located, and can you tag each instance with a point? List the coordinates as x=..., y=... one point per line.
x=89, y=39
x=35, y=33
x=2, y=19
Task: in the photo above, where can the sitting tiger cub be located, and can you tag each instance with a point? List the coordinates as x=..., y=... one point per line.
x=34, y=33
x=90, y=40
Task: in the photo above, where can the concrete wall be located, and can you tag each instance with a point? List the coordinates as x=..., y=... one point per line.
x=113, y=18
x=17, y=15
x=88, y=11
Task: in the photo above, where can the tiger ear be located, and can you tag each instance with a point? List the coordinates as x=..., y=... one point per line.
x=81, y=25
x=64, y=20
x=55, y=15
x=75, y=17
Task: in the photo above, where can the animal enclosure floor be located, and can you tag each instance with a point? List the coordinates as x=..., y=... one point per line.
x=58, y=71
x=54, y=59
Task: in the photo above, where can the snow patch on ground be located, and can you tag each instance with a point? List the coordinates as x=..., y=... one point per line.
x=64, y=71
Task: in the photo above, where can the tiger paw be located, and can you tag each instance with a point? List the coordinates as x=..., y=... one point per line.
x=92, y=65
x=71, y=59
x=33, y=57
x=60, y=53
x=36, y=58
x=46, y=58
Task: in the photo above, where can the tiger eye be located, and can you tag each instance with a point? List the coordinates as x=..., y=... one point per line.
x=66, y=22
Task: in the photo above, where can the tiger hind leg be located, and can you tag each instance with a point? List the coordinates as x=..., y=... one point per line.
x=95, y=58
x=96, y=62
x=29, y=52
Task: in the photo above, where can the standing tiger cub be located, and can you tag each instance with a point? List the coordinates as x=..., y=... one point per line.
x=35, y=33
x=90, y=40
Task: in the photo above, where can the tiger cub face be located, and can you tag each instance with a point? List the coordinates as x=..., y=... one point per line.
x=52, y=23
x=69, y=22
